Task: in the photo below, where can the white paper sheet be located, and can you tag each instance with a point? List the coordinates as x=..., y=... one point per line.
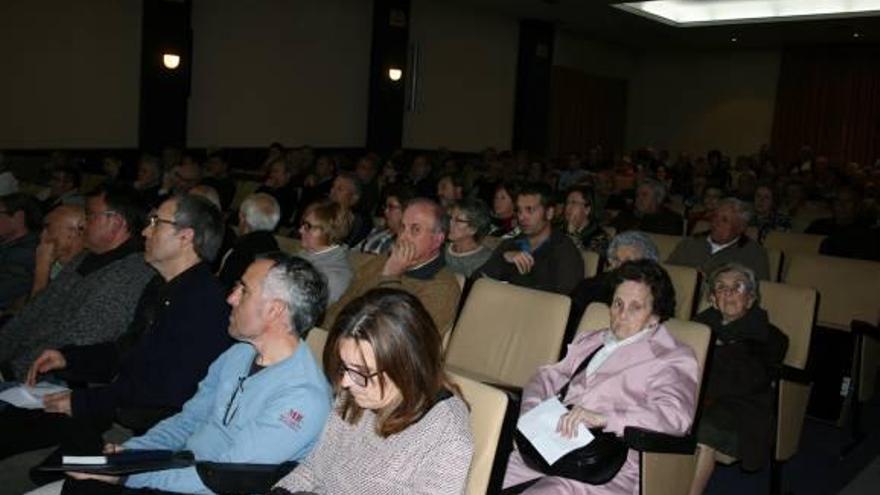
x=30, y=397
x=539, y=426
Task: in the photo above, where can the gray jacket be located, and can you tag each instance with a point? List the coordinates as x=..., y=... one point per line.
x=334, y=265
x=76, y=309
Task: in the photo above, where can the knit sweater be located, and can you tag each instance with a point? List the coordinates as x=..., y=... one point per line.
x=334, y=265
x=466, y=263
x=76, y=309
x=431, y=456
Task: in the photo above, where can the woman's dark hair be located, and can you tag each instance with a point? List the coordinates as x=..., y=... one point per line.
x=408, y=352
x=403, y=192
x=655, y=277
x=589, y=196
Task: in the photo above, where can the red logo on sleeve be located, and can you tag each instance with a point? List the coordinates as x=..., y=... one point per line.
x=292, y=418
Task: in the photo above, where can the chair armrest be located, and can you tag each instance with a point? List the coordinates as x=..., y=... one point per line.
x=231, y=478
x=791, y=374
x=652, y=441
x=860, y=327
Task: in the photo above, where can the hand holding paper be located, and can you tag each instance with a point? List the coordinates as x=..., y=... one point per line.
x=31, y=397
x=540, y=424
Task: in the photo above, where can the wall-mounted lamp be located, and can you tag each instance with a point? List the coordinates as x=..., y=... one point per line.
x=170, y=61
x=395, y=74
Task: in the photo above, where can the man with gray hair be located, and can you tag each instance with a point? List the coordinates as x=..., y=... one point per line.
x=648, y=213
x=258, y=216
x=726, y=243
x=265, y=400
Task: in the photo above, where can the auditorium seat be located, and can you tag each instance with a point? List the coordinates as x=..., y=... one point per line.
x=665, y=244
x=505, y=332
x=685, y=280
x=243, y=189
x=488, y=407
x=774, y=259
x=359, y=259
x=591, y=263
x=316, y=339
x=288, y=244
x=792, y=243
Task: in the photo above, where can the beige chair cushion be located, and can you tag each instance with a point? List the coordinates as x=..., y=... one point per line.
x=848, y=289
x=791, y=244
x=316, y=340
x=774, y=258
x=505, y=332
x=488, y=406
x=665, y=244
x=791, y=309
x=684, y=279
x=288, y=245
x=596, y=317
x=591, y=263
x=359, y=259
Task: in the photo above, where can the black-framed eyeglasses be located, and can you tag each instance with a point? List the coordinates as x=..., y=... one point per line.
x=359, y=378
x=155, y=220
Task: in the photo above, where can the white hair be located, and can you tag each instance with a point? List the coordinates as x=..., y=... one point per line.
x=260, y=212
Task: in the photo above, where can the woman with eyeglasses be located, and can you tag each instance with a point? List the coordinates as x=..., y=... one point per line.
x=399, y=424
x=737, y=403
x=382, y=237
x=469, y=222
x=324, y=226
x=582, y=222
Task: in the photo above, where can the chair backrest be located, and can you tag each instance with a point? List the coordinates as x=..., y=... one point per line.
x=848, y=289
x=488, y=406
x=774, y=258
x=596, y=317
x=243, y=189
x=591, y=263
x=701, y=226
x=684, y=280
x=665, y=244
x=316, y=339
x=791, y=309
x=461, y=280
x=792, y=243
x=505, y=332
x=359, y=259
x=288, y=244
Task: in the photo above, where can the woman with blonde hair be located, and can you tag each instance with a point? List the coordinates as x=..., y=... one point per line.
x=323, y=229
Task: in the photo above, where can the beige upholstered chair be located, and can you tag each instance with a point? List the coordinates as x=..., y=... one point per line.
x=359, y=259
x=685, y=280
x=791, y=244
x=288, y=244
x=316, y=339
x=243, y=189
x=665, y=244
x=848, y=290
x=774, y=258
x=488, y=407
x=505, y=332
x=591, y=263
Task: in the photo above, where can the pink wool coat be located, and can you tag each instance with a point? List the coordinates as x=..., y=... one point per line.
x=651, y=383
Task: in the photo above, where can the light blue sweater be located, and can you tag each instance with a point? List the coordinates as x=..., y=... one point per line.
x=276, y=415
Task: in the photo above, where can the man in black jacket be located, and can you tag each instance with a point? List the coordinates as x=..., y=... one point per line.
x=180, y=328
x=258, y=216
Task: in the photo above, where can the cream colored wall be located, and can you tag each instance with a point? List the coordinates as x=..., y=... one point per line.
x=70, y=73
x=593, y=57
x=294, y=71
x=467, y=80
x=704, y=100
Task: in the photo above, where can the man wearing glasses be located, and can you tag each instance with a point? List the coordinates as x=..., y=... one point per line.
x=93, y=298
x=156, y=366
x=265, y=400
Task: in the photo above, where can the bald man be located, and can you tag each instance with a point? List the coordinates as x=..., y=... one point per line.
x=60, y=241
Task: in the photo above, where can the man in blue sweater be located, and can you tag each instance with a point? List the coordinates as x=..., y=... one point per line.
x=265, y=400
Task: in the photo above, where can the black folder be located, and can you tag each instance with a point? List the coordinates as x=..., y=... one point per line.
x=131, y=462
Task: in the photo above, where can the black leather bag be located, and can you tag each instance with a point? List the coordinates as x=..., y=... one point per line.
x=595, y=463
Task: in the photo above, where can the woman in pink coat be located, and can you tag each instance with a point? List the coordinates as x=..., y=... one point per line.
x=640, y=377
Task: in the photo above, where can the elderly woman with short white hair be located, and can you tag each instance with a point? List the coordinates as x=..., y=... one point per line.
x=737, y=410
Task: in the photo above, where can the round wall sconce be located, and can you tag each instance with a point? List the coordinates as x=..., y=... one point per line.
x=170, y=61
x=395, y=74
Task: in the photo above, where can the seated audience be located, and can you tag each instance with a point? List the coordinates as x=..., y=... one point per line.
x=399, y=424
x=149, y=179
x=415, y=265
x=738, y=408
x=648, y=213
x=63, y=188
x=725, y=243
x=317, y=185
x=156, y=366
x=626, y=246
x=265, y=400
x=540, y=258
x=216, y=175
x=60, y=242
x=637, y=375
x=367, y=171
x=323, y=229
x=94, y=297
x=767, y=217
x=420, y=177
x=228, y=237
x=8, y=182
x=504, y=210
x=258, y=216
x=849, y=233
x=450, y=190
x=278, y=184
x=20, y=220
x=180, y=178
x=347, y=191
x=469, y=222
x=582, y=220
x=381, y=239
x=703, y=211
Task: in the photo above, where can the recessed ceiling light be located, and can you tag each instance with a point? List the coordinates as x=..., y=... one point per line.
x=857, y=35
x=734, y=39
x=685, y=13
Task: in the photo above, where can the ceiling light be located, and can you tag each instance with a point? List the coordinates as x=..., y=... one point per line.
x=734, y=39
x=685, y=13
x=857, y=35
x=395, y=74
x=170, y=60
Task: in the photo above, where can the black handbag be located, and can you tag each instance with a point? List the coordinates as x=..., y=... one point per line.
x=595, y=463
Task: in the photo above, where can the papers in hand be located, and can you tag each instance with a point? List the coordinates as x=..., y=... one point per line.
x=30, y=397
x=539, y=426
